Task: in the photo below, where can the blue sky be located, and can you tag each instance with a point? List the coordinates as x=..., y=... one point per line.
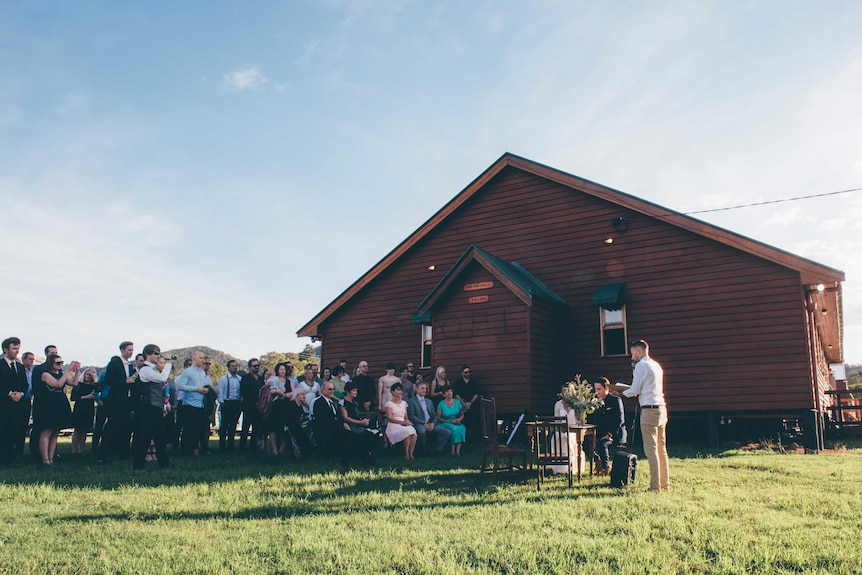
x=160, y=163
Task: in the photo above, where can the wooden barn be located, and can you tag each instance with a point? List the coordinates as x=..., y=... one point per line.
x=531, y=275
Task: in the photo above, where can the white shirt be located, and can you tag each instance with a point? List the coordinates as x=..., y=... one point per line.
x=228, y=388
x=647, y=383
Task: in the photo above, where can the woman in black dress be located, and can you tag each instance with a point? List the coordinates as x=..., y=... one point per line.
x=52, y=411
x=84, y=411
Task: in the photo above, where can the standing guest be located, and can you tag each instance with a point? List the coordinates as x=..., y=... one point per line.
x=407, y=384
x=296, y=420
x=439, y=384
x=648, y=386
x=357, y=439
x=52, y=410
x=210, y=402
x=399, y=428
x=22, y=425
x=327, y=421
x=423, y=416
x=467, y=392
x=38, y=370
x=610, y=422
x=193, y=382
x=229, y=399
x=150, y=414
x=345, y=377
x=316, y=370
x=411, y=372
x=13, y=389
x=293, y=381
x=450, y=414
x=281, y=390
x=365, y=386
x=338, y=381
x=310, y=387
x=384, y=386
x=327, y=375
x=100, y=416
x=84, y=411
x=249, y=390
x=116, y=400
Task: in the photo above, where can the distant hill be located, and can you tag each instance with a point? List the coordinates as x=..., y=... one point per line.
x=218, y=357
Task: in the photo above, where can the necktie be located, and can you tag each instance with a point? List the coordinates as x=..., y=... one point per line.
x=331, y=406
x=15, y=367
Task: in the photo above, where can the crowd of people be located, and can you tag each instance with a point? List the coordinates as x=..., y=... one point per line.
x=137, y=408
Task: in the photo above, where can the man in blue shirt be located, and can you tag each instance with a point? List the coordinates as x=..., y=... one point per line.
x=229, y=399
x=192, y=382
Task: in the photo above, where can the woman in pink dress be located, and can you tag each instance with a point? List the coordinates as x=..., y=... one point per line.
x=399, y=429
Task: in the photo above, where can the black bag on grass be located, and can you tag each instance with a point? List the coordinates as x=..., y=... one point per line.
x=624, y=468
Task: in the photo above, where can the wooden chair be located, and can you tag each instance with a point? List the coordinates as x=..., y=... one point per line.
x=493, y=449
x=550, y=446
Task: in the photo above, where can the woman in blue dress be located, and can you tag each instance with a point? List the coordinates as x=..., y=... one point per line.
x=449, y=415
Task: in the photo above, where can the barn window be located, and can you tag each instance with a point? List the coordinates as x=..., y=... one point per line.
x=427, y=340
x=613, y=331
x=611, y=300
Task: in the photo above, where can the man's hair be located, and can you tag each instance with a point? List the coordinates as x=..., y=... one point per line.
x=403, y=369
x=47, y=347
x=27, y=354
x=603, y=381
x=463, y=367
x=342, y=361
x=125, y=344
x=349, y=386
x=252, y=360
x=10, y=341
x=230, y=361
x=143, y=354
x=640, y=344
x=149, y=349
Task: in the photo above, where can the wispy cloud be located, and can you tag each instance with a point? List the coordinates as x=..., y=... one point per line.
x=250, y=78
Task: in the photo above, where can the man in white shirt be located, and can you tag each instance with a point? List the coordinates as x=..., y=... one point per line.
x=231, y=405
x=648, y=386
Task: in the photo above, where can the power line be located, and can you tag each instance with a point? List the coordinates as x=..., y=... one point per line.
x=774, y=202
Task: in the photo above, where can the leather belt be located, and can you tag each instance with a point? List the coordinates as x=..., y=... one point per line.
x=651, y=406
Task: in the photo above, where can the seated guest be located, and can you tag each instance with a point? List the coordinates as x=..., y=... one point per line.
x=450, y=416
x=357, y=439
x=398, y=428
x=296, y=420
x=423, y=416
x=610, y=422
x=327, y=421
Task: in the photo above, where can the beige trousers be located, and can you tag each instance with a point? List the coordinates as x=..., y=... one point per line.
x=653, y=424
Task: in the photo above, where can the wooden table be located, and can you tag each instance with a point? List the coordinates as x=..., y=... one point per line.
x=580, y=432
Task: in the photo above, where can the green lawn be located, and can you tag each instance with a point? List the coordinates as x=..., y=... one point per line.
x=728, y=512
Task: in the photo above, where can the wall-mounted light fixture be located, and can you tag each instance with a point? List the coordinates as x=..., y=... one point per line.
x=432, y=268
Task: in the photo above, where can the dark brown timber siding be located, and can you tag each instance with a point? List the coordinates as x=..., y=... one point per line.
x=728, y=327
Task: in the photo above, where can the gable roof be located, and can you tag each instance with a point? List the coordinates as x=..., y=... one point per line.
x=811, y=272
x=519, y=281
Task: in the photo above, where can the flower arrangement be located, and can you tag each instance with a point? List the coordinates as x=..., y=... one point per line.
x=580, y=397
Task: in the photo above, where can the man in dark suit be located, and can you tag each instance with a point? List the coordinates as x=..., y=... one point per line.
x=610, y=422
x=424, y=421
x=13, y=388
x=249, y=390
x=327, y=420
x=117, y=402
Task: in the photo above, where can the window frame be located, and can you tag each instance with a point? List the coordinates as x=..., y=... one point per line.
x=426, y=344
x=604, y=327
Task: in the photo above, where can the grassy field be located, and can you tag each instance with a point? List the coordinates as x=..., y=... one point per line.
x=728, y=512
